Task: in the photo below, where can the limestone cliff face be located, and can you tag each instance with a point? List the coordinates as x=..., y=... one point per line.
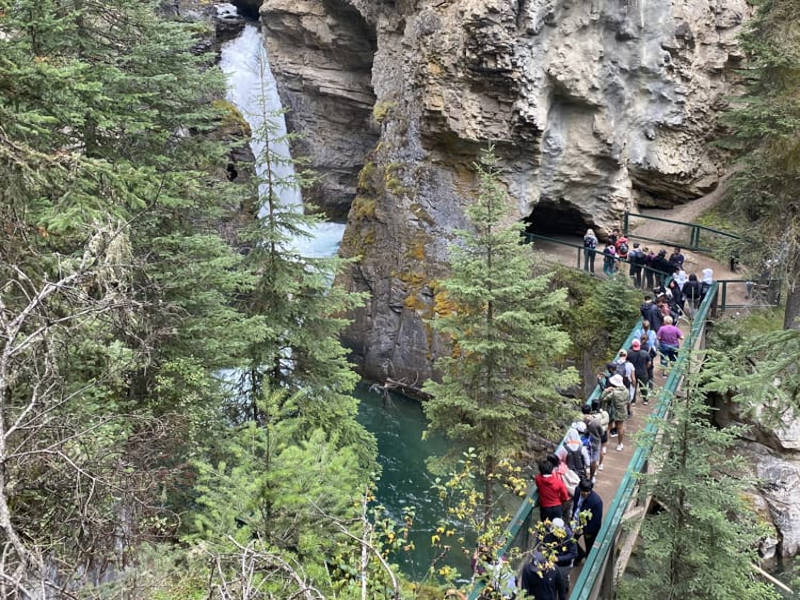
x=321, y=52
x=593, y=105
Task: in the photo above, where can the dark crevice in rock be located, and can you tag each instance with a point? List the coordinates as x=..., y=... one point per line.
x=247, y=8
x=554, y=216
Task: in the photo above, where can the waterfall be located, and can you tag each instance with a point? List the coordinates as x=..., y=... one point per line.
x=245, y=62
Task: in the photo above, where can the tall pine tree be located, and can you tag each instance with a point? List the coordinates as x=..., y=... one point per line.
x=502, y=377
x=298, y=346
x=764, y=130
x=702, y=543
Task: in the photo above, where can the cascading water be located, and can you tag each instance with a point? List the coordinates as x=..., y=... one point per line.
x=398, y=428
x=245, y=62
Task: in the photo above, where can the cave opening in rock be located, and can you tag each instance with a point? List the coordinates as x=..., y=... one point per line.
x=247, y=8
x=556, y=217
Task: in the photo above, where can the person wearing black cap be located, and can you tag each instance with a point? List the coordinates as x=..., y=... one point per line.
x=586, y=499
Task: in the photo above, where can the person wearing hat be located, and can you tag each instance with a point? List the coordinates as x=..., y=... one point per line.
x=640, y=359
x=616, y=397
x=628, y=372
x=560, y=541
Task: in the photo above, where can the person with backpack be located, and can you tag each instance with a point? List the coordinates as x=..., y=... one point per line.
x=663, y=268
x=609, y=260
x=595, y=432
x=675, y=296
x=706, y=282
x=574, y=452
x=628, y=373
x=616, y=399
x=560, y=540
x=691, y=291
x=636, y=258
x=650, y=312
x=589, y=250
x=552, y=492
x=622, y=246
x=640, y=359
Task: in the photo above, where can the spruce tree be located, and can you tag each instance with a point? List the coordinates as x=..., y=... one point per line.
x=765, y=191
x=113, y=273
x=502, y=377
x=302, y=307
x=702, y=541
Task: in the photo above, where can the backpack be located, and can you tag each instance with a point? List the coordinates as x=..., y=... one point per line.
x=575, y=462
x=623, y=248
x=590, y=242
x=623, y=372
x=587, y=442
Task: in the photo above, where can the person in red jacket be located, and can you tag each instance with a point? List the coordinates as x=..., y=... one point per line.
x=552, y=492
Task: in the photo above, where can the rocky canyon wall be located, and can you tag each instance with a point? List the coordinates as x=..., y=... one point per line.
x=594, y=106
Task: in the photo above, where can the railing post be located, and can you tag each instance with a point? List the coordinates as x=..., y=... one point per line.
x=626, y=223
x=579, y=258
x=724, y=295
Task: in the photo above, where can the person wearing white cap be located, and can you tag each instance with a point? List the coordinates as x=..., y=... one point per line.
x=616, y=397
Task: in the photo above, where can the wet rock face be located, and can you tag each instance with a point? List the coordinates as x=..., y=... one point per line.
x=779, y=485
x=321, y=52
x=593, y=106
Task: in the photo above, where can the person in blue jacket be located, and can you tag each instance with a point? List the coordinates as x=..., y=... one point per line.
x=587, y=499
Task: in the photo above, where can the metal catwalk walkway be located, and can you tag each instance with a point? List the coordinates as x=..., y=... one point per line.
x=616, y=484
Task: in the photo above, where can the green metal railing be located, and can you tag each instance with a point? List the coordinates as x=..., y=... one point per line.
x=599, y=256
x=762, y=294
x=695, y=232
x=520, y=523
x=601, y=553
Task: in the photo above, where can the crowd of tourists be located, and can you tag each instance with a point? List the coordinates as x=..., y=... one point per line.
x=569, y=507
x=648, y=269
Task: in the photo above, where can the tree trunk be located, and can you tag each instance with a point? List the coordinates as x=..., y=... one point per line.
x=488, y=471
x=588, y=373
x=791, y=316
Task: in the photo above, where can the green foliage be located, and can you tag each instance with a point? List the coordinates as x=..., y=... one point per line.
x=297, y=346
x=500, y=379
x=702, y=542
x=764, y=124
x=603, y=320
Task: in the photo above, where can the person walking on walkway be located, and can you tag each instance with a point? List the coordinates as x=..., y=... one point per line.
x=561, y=540
x=640, y=359
x=669, y=339
x=589, y=250
x=586, y=499
x=706, y=282
x=626, y=369
x=609, y=260
x=650, y=312
x=691, y=291
x=541, y=580
x=636, y=258
x=662, y=267
x=616, y=399
x=595, y=429
x=676, y=259
x=649, y=269
x=552, y=492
